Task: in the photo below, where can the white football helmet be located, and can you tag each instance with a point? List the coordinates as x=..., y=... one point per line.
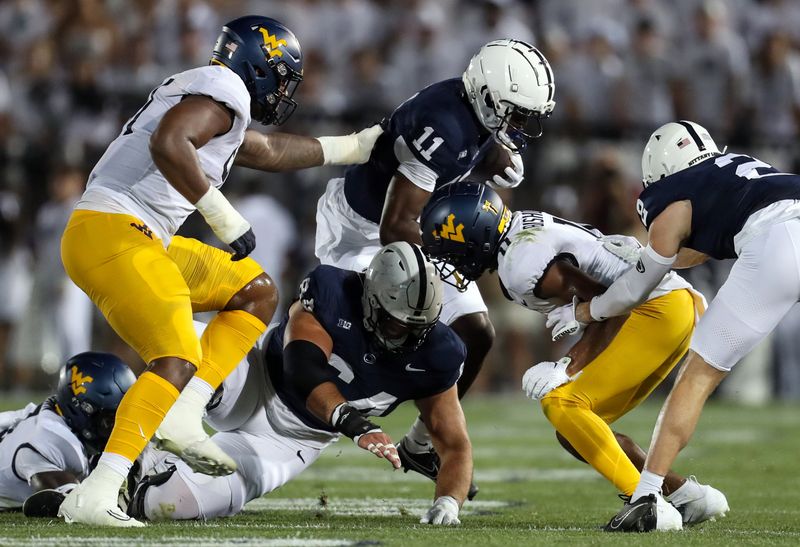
x=510, y=84
x=402, y=296
x=673, y=147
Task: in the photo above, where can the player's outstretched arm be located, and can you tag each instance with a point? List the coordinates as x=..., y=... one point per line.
x=445, y=420
x=275, y=152
x=307, y=348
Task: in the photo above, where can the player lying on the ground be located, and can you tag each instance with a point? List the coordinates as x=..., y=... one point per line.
x=353, y=345
x=698, y=204
x=120, y=245
x=45, y=449
x=544, y=261
x=439, y=135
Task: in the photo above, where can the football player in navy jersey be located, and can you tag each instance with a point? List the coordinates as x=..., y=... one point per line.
x=353, y=345
x=439, y=135
x=699, y=203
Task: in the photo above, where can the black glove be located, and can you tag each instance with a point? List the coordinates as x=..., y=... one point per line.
x=243, y=245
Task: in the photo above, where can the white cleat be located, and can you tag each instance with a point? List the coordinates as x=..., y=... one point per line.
x=667, y=517
x=182, y=433
x=83, y=505
x=708, y=503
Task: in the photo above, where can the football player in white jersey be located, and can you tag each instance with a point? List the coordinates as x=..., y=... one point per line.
x=353, y=346
x=45, y=449
x=120, y=245
x=543, y=262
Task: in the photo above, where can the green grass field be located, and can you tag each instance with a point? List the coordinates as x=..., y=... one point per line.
x=532, y=492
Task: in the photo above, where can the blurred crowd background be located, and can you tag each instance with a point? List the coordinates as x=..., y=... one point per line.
x=74, y=70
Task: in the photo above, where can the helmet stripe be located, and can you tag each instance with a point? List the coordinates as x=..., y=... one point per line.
x=423, y=279
x=692, y=133
x=547, y=71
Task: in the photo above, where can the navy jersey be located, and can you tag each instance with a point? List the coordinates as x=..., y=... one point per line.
x=724, y=191
x=439, y=129
x=372, y=380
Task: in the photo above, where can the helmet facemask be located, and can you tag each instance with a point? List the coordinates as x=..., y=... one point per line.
x=391, y=333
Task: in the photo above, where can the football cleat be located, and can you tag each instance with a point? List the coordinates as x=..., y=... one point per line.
x=43, y=504
x=182, y=434
x=426, y=464
x=646, y=514
x=84, y=505
x=136, y=506
x=708, y=505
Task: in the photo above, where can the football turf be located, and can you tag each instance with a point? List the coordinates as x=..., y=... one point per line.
x=532, y=492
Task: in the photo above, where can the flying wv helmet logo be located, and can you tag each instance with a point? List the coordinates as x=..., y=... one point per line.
x=271, y=44
x=78, y=380
x=450, y=231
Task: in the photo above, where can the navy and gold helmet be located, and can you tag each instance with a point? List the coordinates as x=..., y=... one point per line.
x=89, y=391
x=267, y=57
x=462, y=226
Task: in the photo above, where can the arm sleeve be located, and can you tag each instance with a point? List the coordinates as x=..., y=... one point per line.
x=633, y=287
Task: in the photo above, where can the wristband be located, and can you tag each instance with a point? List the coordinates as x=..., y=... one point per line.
x=349, y=422
x=224, y=220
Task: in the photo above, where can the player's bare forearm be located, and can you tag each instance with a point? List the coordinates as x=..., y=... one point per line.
x=594, y=341
x=278, y=152
x=444, y=417
x=455, y=473
x=400, y=230
x=52, y=479
x=323, y=399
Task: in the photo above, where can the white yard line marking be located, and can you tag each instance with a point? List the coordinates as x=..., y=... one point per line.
x=365, y=506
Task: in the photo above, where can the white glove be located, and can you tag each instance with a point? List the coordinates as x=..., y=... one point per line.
x=562, y=321
x=443, y=511
x=350, y=149
x=512, y=175
x=541, y=379
x=627, y=248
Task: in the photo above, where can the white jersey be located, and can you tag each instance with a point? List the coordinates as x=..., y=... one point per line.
x=535, y=239
x=126, y=180
x=39, y=443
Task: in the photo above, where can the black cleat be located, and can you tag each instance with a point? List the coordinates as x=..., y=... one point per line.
x=639, y=516
x=426, y=464
x=43, y=504
x=136, y=505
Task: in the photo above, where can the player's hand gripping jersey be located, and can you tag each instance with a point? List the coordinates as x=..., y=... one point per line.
x=535, y=239
x=126, y=180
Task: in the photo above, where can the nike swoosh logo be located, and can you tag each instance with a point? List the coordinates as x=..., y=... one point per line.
x=118, y=516
x=617, y=520
x=409, y=368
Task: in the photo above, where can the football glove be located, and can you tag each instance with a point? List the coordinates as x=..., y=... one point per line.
x=350, y=149
x=512, y=176
x=563, y=322
x=542, y=378
x=443, y=511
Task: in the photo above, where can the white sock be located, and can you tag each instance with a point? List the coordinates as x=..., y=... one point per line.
x=106, y=479
x=687, y=492
x=201, y=387
x=419, y=437
x=649, y=483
